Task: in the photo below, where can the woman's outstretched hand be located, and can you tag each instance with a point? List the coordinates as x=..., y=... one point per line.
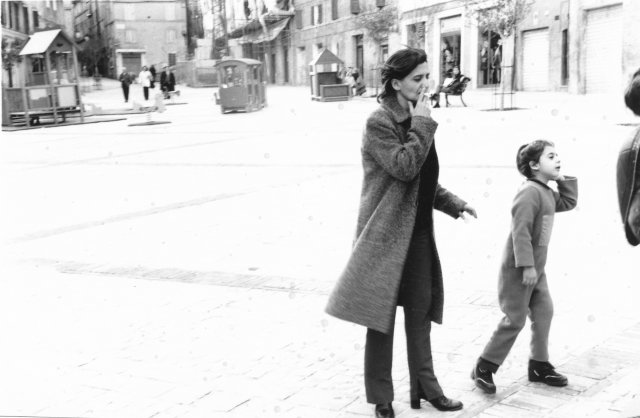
x=468, y=209
x=422, y=107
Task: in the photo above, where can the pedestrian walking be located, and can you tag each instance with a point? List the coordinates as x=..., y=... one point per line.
x=152, y=70
x=628, y=169
x=144, y=78
x=167, y=81
x=522, y=282
x=394, y=260
x=125, y=82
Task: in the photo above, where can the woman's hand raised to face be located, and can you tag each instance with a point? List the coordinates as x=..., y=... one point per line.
x=422, y=107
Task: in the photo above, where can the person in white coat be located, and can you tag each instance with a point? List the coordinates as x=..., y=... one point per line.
x=144, y=78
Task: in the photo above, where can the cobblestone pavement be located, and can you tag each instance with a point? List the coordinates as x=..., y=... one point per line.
x=182, y=270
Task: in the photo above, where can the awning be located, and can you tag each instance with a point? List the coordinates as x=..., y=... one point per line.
x=39, y=42
x=260, y=36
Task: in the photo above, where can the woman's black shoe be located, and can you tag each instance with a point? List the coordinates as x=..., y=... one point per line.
x=445, y=404
x=385, y=411
x=543, y=371
x=483, y=378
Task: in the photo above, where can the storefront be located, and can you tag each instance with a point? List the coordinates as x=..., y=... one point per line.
x=489, y=58
x=450, y=37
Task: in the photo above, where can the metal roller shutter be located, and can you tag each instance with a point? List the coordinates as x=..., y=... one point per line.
x=535, y=60
x=132, y=62
x=603, y=43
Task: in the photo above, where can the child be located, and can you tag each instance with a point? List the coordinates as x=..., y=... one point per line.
x=522, y=284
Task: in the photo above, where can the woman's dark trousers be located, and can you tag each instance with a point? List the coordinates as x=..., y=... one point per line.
x=125, y=91
x=415, y=296
x=145, y=90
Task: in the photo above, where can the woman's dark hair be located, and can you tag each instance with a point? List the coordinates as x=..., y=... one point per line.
x=530, y=152
x=632, y=95
x=398, y=66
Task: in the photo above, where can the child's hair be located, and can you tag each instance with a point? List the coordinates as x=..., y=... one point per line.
x=632, y=95
x=530, y=152
x=398, y=66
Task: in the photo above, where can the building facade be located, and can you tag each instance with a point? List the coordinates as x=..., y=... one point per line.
x=136, y=32
x=579, y=46
x=21, y=19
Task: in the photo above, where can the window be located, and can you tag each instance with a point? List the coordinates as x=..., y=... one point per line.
x=171, y=36
x=129, y=35
x=355, y=7
x=171, y=58
x=170, y=11
x=298, y=18
x=489, y=51
x=565, y=58
x=384, y=52
x=316, y=15
x=334, y=9
x=15, y=18
x=25, y=17
x=36, y=21
x=416, y=35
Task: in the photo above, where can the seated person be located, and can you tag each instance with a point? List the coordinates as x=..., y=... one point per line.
x=452, y=84
x=359, y=87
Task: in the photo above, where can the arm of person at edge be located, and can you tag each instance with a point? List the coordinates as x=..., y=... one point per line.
x=525, y=206
x=402, y=161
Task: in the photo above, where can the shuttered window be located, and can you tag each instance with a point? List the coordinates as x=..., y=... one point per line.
x=334, y=9
x=299, y=23
x=355, y=7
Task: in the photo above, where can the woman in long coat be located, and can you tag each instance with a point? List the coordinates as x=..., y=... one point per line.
x=394, y=260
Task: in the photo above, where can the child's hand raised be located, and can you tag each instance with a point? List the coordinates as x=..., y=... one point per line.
x=529, y=276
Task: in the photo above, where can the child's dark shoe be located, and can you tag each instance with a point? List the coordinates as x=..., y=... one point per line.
x=543, y=371
x=483, y=378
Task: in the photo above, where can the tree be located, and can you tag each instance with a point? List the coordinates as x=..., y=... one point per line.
x=501, y=17
x=96, y=53
x=10, y=56
x=379, y=24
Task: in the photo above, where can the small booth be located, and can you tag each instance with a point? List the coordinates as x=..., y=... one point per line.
x=51, y=87
x=241, y=85
x=325, y=83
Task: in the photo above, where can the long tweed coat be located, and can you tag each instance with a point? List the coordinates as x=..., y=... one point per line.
x=367, y=291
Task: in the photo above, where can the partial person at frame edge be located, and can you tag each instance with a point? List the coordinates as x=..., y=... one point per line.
x=628, y=169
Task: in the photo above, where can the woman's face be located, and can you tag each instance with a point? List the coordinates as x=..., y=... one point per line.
x=414, y=83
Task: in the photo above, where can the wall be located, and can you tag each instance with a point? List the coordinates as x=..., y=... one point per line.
x=151, y=22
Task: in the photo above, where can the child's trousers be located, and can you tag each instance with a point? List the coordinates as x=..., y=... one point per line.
x=516, y=301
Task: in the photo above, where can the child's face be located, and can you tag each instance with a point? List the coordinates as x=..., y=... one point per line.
x=548, y=167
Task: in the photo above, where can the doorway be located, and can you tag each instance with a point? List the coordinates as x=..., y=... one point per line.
x=359, y=54
x=489, y=58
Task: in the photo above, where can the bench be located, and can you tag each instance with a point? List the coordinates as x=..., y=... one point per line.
x=35, y=115
x=458, y=91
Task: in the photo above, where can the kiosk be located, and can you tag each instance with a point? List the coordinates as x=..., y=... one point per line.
x=325, y=84
x=241, y=85
x=51, y=87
